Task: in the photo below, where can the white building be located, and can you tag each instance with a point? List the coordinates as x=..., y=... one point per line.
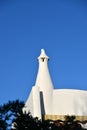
x=54, y=103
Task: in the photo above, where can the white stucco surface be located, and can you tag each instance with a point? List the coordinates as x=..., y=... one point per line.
x=36, y=102
x=33, y=103
x=29, y=106
x=69, y=101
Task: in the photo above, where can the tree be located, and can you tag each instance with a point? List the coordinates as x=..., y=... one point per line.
x=25, y=121
x=70, y=123
x=12, y=117
x=8, y=112
x=70, y=118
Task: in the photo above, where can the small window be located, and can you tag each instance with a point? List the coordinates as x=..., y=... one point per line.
x=43, y=59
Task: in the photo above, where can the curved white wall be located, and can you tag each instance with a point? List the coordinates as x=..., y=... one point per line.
x=68, y=101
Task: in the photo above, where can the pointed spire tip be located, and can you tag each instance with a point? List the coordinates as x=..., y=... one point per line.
x=43, y=54
x=43, y=51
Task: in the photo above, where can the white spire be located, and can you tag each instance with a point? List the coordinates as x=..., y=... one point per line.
x=43, y=80
x=43, y=55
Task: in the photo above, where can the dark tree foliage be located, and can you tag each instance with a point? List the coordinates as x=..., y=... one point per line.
x=71, y=123
x=8, y=112
x=26, y=122
x=70, y=118
x=12, y=117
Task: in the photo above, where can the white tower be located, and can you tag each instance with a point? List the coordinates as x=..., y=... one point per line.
x=43, y=79
x=40, y=99
x=44, y=82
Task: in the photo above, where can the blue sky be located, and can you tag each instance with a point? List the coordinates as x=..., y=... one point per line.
x=58, y=26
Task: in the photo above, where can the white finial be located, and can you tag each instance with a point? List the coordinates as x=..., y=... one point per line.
x=42, y=51
x=43, y=54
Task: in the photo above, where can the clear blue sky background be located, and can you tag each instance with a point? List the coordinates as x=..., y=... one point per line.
x=26, y=26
